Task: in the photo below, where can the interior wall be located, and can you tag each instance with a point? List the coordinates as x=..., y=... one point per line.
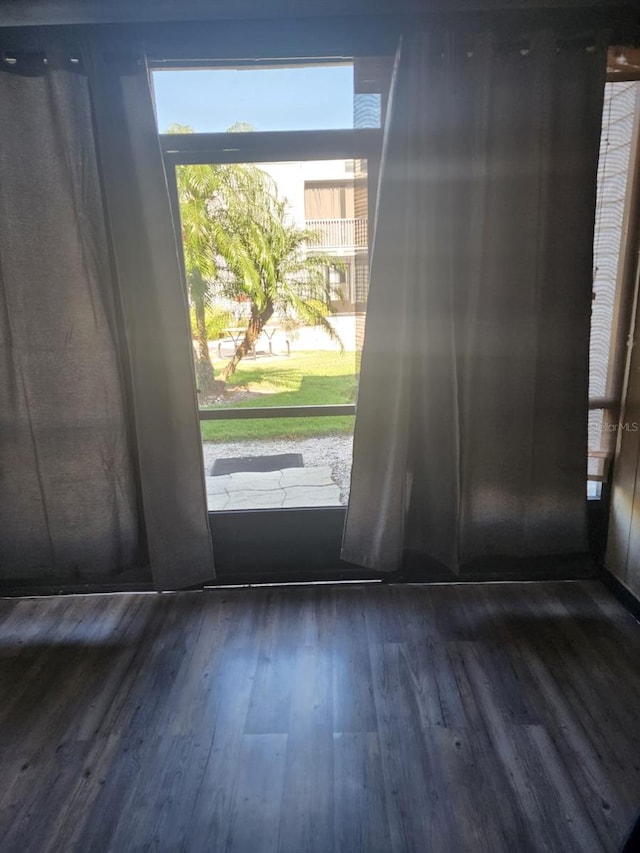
x=299, y=22
x=38, y=12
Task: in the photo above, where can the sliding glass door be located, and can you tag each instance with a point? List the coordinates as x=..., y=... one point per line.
x=274, y=228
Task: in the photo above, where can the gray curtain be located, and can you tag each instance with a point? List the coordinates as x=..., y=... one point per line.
x=101, y=475
x=164, y=407
x=471, y=427
x=68, y=501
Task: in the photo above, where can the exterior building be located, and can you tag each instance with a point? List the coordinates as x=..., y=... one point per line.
x=330, y=198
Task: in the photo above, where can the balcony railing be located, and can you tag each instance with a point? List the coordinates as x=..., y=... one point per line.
x=338, y=233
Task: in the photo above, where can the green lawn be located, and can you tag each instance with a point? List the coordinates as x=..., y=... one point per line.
x=304, y=379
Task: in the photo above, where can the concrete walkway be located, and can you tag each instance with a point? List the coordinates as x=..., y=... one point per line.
x=291, y=487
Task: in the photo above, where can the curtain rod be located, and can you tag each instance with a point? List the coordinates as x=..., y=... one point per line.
x=623, y=60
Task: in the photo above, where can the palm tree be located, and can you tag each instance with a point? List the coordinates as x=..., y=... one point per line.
x=197, y=185
x=269, y=265
x=238, y=243
x=208, y=195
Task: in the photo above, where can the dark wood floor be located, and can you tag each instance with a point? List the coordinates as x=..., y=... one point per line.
x=354, y=718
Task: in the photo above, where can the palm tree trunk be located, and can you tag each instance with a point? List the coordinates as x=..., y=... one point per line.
x=254, y=329
x=205, y=380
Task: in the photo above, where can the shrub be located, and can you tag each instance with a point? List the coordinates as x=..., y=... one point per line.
x=217, y=321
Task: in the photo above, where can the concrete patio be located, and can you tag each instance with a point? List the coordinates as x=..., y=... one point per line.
x=290, y=487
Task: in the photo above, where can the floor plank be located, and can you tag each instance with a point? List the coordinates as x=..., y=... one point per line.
x=354, y=719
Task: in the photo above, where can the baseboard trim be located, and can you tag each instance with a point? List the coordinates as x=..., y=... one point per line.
x=624, y=595
x=37, y=590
